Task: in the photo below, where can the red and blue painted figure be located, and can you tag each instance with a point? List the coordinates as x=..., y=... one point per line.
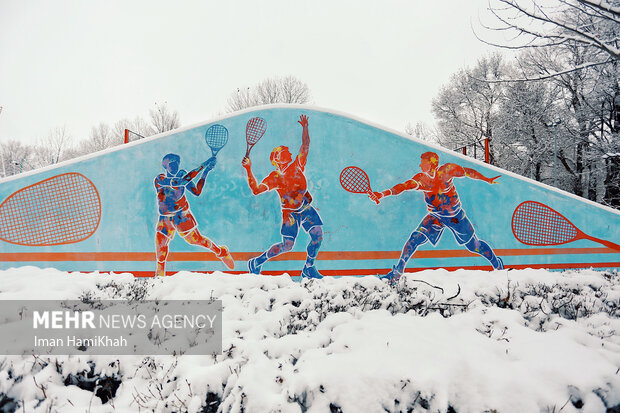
x=175, y=214
x=444, y=211
x=289, y=181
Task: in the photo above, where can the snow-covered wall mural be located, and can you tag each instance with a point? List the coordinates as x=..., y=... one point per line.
x=294, y=189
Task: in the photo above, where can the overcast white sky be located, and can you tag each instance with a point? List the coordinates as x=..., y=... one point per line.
x=78, y=63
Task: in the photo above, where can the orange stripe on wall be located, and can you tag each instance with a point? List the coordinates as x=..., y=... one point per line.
x=289, y=256
x=375, y=271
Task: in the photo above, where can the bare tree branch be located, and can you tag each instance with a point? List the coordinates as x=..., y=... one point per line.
x=287, y=89
x=543, y=77
x=592, y=23
x=164, y=119
x=602, y=5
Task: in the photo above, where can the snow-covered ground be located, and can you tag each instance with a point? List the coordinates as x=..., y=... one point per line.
x=464, y=341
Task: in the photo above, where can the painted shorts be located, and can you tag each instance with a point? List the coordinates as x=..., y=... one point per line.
x=432, y=227
x=183, y=221
x=306, y=216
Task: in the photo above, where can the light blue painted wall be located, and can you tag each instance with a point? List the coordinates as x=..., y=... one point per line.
x=228, y=213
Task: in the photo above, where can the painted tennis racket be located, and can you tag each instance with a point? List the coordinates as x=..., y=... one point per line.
x=216, y=138
x=63, y=209
x=355, y=180
x=254, y=130
x=534, y=223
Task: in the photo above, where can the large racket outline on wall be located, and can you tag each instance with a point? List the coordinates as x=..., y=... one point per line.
x=63, y=209
x=534, y=223
x=355, y=180
x=254, y=130
x=216, y=138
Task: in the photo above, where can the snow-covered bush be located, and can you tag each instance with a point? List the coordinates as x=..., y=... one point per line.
x=464, y=341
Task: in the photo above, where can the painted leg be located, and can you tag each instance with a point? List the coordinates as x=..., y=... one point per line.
x=483, y=249
x=196, y=238
x=285, y=245
x=415, y=240
x=161, y=247
x=316, y=237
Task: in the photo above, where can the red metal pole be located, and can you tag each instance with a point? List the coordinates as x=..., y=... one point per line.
x=126, y=135
x=486, y=150
x=464, y=150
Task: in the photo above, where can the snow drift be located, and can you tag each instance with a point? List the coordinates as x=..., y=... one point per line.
x=464, y=341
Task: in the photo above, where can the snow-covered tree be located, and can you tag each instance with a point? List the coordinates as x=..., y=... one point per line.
x=551, y=23
x=101, y=137
x=138, y=126
x=286, y=89
x=15, y=157
x=421, y=131
x=465, y=107
x=579, y=110
x=55, y=147
x=163, y=119
x=525, y=129
x=587, y=110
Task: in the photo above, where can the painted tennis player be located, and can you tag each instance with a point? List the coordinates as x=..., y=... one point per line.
x=175, y=214
x=290, y=183
x=444, y=211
